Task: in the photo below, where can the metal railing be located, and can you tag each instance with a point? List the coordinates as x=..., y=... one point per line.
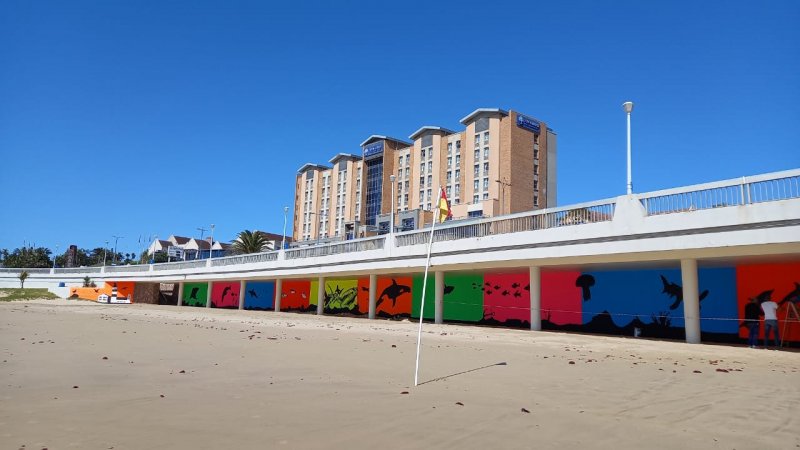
x=131, y=268
x=181, y=265
x=245, y=259
x=358, y=245
x=16, y=270
x=79, y=270
x=600, y=211
x=736, y=192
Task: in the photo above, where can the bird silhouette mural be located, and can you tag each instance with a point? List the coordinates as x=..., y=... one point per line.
x=193, y=294
x=392, y=292
x=253, y=293
x=676, y=291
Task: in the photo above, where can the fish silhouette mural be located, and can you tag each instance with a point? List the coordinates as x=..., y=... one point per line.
x=225, y=294
x=392, y=296
x=295, y=296
x=341, y=296
x=259, y=295
x=194, y=294
x=676, y=291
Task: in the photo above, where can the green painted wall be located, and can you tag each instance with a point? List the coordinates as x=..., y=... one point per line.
x=192, y=297
x=416, y=299
x=465, y=300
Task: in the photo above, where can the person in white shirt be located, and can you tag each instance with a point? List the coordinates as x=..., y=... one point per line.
x=770, y=309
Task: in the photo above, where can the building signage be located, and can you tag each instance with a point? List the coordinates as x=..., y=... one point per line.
x=373, y=149
x=528, y=123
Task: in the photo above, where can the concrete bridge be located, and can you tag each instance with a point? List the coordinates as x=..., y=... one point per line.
x=751, y=220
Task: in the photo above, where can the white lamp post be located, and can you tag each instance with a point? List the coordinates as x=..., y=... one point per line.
x=54, y=257
x=105, y=249
x=114, y=257
x=285, y=217
x=211, y=247
x=628, y=107
x=391, y=213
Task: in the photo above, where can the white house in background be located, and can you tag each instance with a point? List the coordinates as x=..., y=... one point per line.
x=159, y=245
x=199, y=249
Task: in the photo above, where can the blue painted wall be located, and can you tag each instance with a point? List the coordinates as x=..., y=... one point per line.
x=259, y=295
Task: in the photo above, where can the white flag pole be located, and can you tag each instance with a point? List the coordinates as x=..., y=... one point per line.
x=424, y=286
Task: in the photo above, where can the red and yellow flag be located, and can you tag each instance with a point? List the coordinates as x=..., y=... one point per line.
x=444, y=208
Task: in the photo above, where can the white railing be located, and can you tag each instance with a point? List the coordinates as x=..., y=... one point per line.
x=78, y=270
x=245, y=259
x=15, y=270
x=742, y=191
x=600, y=211
x=357, y=245
x=181, y=265
x=131, y=268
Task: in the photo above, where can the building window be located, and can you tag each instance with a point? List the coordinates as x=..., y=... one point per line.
x=429, y=207
x=477, y=154
x=399, y=173
x=477, y=140
x=449, y=161
x=458, y=147
x=486, y=137
x=485, y=152
x=423, y=153
x=477, y=169
x=535, y=152
x=421, y=181
x=405, y=198
x=535, y=200
x=458, y=189
x=536, y=169
x=458, y=160
x=406, y=172
x=475, y=198
x=485, y=184
x=535, y=185
x=447, y=191
x=458, y=174
x=430, y=166
x=449, y=148
x=475, y=185
x=449, y=176
x=430, y=180
x=406, y=184
x=486, y=196
x=421, y=196
x=429, y=194
x=486, y=167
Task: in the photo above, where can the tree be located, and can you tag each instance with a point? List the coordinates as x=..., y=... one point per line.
x=250, y=242
x=27, y=257
x=22, y=277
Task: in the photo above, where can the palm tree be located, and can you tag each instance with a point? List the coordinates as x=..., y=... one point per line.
x=250, y=242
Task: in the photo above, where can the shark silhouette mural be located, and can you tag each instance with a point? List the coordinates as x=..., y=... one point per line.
x=259, y=295
x=392, y=296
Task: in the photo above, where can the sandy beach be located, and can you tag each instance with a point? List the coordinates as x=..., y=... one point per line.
x=87, y=376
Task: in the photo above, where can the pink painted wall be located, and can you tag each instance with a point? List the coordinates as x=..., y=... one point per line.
x=225, y=294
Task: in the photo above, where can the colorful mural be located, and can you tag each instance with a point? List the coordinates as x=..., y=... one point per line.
x=392, y=296
x=194, y=294
x=779, y=282
x=462, y=299
x=259, y=295
x=296, y=296
x=507, y=299
x=124, y=289
x=225, y=294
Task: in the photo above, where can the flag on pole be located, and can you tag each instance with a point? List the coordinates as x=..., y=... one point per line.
x=444, y=207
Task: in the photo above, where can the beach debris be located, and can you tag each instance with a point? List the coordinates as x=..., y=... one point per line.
x=459, y=404
x=182, y=371
x=696, y=371
x=74, y=387
x=525, y=410
x=572, y=362
x=404, y=392
x=162, y=395
x=394, y=346
x=105, y=357
x=722, y=370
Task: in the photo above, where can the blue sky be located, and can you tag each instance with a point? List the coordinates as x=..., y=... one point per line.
x=141, y=118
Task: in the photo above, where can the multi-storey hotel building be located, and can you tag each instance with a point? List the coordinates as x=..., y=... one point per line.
x=502, y=162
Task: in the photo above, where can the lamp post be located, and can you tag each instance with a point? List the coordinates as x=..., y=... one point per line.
x=285, y=218
x=211, y=247
x=391, y=213
x=628, y=107
x=54, y=257
x=114, y=258
x=503, y=185
x=105, y=250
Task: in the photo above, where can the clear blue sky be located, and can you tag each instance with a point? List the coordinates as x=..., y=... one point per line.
x=137, y=118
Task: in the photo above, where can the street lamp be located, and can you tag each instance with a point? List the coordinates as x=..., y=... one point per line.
x=105, y=249
x=211, y=247
x=54, y=257
x=285, y=218
x=503, y=185
x=114, y=259
x=391, y=213
x=628, y=107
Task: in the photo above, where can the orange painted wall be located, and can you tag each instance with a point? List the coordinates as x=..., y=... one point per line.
x=124, y=289
x=755, y=279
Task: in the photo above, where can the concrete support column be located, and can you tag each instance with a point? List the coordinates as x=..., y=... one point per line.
x=320, y=295
x=180, y=293
x=373, y=287
x=278, y=290
x=242, y=293
x=536, y=298
x=438, y=297
x=208, y=295
x=691, y=300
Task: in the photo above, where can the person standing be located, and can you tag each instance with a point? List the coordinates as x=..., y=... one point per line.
x=770, y=309
x=752, y=314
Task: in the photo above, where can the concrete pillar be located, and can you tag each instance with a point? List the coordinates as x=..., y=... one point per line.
x=373, y=287
x=438, y=297
x=320, y=295
x=278, y=290
x=208, y=295
x=536, y=298
x=691, y=300
x=242, y=293
x=180, y=293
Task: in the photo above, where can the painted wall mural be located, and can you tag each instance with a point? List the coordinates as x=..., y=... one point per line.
x=392, y=296
x=194, y=294
x=341, y=296
x=779, y=282
x=225, y=294
x=124, y=289
x=259, y=295
x=296, y=296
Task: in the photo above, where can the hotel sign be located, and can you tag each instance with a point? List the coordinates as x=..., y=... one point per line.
x=528, y=123
x=373, y=149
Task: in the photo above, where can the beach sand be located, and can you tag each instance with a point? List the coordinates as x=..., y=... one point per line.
x=219, y=379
